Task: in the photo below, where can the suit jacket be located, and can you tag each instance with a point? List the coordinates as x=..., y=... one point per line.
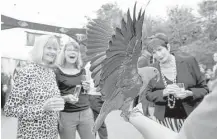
x=188, y=72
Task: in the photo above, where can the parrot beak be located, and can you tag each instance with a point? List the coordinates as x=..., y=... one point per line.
x=146, y=74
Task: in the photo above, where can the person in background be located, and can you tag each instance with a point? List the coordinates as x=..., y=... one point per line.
x=202, y=68
x=208, y=75
x=35, y=98
x=214, y=70
x=173, y=103
x=77, y=115
x=5, y=84
x=212, y=74
x=96, y=103
x=19, y=66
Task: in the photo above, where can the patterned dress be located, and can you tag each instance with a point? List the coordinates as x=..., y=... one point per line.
x=33, y=85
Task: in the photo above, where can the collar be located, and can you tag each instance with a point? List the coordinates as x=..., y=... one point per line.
x=179, y=59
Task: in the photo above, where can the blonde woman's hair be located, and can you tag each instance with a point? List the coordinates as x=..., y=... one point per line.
x=61, y=57
x=36, y=54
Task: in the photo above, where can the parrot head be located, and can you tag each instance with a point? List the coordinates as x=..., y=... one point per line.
x=147, y=74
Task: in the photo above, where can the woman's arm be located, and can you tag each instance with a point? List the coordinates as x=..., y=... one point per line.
x=155, y=96
x=16, y=104
x=201, y=88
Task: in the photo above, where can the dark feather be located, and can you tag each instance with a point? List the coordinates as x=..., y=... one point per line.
x=115, y=72
x=97, y=62
x=95, y=57
x=95, y=51
x=123, y=27
x=98, y=40
x=134, y=13
x=96, y=45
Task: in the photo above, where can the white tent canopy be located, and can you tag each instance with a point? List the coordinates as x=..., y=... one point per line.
x=13, y=44
x=21, y=54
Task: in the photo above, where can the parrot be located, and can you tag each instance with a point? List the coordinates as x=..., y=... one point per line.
x=114, y=54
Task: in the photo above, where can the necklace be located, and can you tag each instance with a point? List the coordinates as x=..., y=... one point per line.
x=171, y=100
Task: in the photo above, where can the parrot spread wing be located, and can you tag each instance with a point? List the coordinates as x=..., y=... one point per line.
x=114, y=63
x=114, y=57
x=99, y=33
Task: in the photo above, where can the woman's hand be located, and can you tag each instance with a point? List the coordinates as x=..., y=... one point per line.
x=54, y=104
x=70, y=98
x=4, y=87
x=86, y=85
x=171, y=89
x=177, y=91
x=184, y=94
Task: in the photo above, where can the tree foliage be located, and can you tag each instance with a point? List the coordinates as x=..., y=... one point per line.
x=112, y=13
x=184, y=26
x=194, y=35
x=208, y=10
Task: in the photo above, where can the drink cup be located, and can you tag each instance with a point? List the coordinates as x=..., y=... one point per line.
x=77, y=91
x=181, y=86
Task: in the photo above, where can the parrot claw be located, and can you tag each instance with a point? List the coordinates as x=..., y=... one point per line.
x=122, y=114
x=125, y=115
x=94, y=130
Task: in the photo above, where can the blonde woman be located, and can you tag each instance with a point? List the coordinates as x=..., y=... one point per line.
x=77, y=115
x=35, y=98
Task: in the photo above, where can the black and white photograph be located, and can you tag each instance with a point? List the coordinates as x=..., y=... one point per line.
x=108, y=69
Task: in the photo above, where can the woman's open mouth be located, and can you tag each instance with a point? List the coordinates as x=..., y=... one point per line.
x=160, y=59
x=51, y=56
x=71, y=57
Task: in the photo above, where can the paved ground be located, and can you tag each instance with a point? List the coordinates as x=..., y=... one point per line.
x=117, y=128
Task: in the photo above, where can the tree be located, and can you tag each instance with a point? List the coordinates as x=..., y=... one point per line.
x=112, y=13
x=208, y=10
x=203, y=50
x=194, y=35
x=152, y=26
x=184, y=26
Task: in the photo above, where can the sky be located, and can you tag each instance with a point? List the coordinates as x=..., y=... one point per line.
x=71, y=13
